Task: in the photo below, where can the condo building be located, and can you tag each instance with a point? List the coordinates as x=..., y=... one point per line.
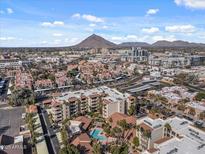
x=149, y=131
x=173, y=135
x=102, y=99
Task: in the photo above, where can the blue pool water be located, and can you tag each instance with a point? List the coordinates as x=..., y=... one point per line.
x=96, y=134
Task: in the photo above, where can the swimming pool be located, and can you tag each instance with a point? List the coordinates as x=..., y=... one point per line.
x=96, y=134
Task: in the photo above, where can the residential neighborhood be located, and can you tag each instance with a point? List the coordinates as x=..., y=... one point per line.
x=120, y=82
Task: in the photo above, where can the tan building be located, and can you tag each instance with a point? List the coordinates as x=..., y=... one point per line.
x=101, y=99
x=149, y=131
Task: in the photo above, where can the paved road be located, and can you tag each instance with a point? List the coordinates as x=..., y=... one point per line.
x=50, y=136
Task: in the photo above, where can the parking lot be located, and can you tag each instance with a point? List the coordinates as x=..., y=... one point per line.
x=10, y=120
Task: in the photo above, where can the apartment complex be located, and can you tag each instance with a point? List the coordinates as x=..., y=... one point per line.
x=23, y=80
x=102, y=99
x=173, y=135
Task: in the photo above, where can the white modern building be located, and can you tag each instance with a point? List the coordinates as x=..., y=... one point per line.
x=174, y=135
x=136, y=55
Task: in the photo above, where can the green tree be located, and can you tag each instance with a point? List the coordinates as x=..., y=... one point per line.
x=199, y=96
x=132, y=110
x=135, y=141
x=64, y=136
x=22, y=97
x=168, y=127
x=120, y=149
x=69, y=149
x=97, y=148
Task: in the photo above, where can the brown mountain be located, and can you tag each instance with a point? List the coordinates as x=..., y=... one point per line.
x=134, y=44
x=178, y=43
x=95, y=41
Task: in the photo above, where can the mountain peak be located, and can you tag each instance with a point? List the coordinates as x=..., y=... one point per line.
x=95, y=41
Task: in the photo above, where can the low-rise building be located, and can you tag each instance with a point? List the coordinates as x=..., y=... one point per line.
x=23, y=80
x=43, y=84
x=130, y=120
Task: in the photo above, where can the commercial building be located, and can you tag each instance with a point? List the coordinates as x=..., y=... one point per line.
x=136, y=55
x=12, y=63
x=176, y=60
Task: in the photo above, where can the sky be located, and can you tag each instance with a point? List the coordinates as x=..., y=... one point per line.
x=50, y=23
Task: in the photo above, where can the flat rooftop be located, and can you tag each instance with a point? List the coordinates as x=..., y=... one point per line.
x=113, y=94
x=184, y=145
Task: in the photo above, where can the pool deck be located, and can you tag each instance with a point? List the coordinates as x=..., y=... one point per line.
x=107, y=140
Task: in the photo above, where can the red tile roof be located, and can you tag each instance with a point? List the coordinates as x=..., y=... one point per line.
x=85, y=121
x=83, y=142
x=129, y=134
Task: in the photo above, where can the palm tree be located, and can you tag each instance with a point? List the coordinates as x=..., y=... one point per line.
x=132, y=110
x=96, y=148
x=192, y=111
x=135, y=141
x=168, y=126
x=64, y=136
x=147, y=133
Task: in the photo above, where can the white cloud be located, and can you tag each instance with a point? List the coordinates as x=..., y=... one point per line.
x=180, y=29
x=87, y=17
x=150, y=30
x=92, y=18
x=92, y=25
x=58, y=23
x=9, y=10
x=152, y=11
x=57, y=34
x=76, y=15
x=195, y=4
x=159, y=37
x=7, y=38
x=52, y=24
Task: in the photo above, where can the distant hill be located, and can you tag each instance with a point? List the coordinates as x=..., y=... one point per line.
x=178, y=43
x=95, y=41
x=163, y=43
x=134, y=44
